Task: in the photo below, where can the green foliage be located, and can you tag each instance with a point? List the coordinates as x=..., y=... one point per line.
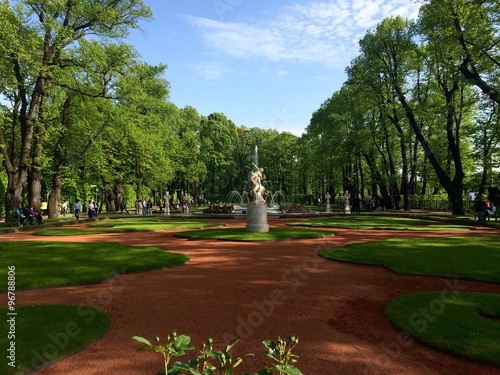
x=210, y=361
x=407, y=119
x=174, y=346
x=281, y=354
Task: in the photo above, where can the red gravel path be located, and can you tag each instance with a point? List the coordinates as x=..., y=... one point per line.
x=258, y=291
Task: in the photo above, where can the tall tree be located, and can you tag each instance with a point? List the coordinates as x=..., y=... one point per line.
x=392, y=48
x=218, y=135
x=35, y=40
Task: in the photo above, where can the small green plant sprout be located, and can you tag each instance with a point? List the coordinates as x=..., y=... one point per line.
x=175, y=346
x=203, y=364
x=211, y=362
x=281, y=353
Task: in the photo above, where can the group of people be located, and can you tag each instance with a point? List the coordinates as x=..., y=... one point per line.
x=484, y=210
x=145, y=205
x=77, y=209
x=28, y=214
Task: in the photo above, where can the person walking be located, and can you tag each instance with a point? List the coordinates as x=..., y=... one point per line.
x=123, y=207
x=77, y=209
x=90, y=209
x=65, y=208
x=149, y=207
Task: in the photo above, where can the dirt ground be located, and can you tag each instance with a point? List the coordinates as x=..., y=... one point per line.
x=258, y=291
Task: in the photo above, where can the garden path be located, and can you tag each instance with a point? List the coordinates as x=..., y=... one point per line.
x=258, y=291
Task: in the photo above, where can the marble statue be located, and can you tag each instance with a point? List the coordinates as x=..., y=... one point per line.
x=166, y=199
x=257, y=192
x=257, y=208
x=347, y=196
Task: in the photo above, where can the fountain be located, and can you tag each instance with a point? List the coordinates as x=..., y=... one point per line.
x=257, y=208
x=278, y=194
x=234, y=197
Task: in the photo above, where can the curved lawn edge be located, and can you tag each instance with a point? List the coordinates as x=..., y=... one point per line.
x=460, y=323
x=53, y=264
x=124, y=226
x=422, y=227
x=240, y=234
x=61, y=331
x=462, y=257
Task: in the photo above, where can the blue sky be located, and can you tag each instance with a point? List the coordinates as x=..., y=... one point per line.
x=267, y=64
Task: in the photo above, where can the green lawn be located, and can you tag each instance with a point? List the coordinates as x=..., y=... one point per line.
x=43, y=264
x=240, y=234
x=133, y=224
x=452, y=321
x=376, y=222
x=44, y=333
x=472, y=258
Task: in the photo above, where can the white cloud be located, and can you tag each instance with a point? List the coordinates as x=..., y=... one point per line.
x=211, y=70
x=324, y=32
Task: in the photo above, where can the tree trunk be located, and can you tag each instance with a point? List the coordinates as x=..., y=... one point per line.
x=13, y=194
x=35, y=170
x=108, y=196
x=449, y=185
x=35, y=188
x=54, y=203
x=118, y=193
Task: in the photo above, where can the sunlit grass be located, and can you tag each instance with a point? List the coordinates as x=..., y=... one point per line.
x=377, y=222
x=43, y=264
x=473, y=258
x=240, y=234
x=134, y=224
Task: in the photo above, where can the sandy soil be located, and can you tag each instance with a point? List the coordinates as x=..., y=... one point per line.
x=258, y=291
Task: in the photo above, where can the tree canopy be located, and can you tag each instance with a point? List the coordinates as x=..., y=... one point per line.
x=83, y=117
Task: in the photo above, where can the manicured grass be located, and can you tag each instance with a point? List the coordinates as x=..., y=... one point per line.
x=452, y=321
x=133, y=224
x=240, y=234
x=44, y=264
x=45, y=333
x=376, y=222
x=473, y=258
